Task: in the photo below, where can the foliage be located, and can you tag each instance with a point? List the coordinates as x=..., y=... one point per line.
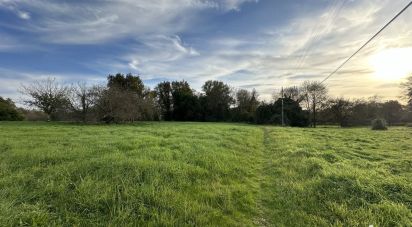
x=8, y=111
x=217, y=100
x=164, y=96
x=126, y=83
x=272, y=113
x=126, y=99
x=379, y=124
x=246, y=105
x=185, y=102
x=391, y=111
x=361, y=112
x=203, y=174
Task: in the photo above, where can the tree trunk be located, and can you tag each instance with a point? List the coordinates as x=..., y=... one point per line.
x=314, y=112
x=84, y=109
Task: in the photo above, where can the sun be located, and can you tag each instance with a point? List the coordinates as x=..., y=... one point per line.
x=392, y=64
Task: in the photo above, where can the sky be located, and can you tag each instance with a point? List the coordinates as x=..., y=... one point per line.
x=261, y=44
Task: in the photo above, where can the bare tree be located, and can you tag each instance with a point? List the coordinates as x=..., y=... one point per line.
x=82, y=99
x=293, y=93
x=117, y=105
x=315, y=93
x=47, y=95
x=407, y=90
x=340, y=109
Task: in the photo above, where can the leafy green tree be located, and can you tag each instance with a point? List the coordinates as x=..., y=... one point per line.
x=126, y=83
x=217, y=100
x=391, y=111
x=272, y=113
x=293, y=114
x=246, y=105
x=8, y=111
x=185, y=102
x=165, y=99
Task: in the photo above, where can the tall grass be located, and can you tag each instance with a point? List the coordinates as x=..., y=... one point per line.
x=156, y=174
x=203, y=174
x=341, y=177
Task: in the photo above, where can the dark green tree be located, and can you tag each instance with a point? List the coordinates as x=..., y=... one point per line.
x=8, y=111
x=272, y=113
x=165, y=99
x=246, y=105
x=127, y=83
x=391, y=111
x=185, y=102
x=217, y=100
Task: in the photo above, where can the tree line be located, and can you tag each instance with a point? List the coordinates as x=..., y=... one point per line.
x=125, y=98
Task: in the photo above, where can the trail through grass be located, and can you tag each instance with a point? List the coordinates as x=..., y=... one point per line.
x=203, y=174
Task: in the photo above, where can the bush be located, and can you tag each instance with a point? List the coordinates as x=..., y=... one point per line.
x=379, y=124
x=8, y=111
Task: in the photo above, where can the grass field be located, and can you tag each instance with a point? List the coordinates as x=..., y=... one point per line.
x=203, y=174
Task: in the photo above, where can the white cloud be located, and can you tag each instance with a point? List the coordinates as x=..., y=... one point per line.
x=158, y=51
x=134, y=64
x=97, y=22
x=267, y=59
x=273, y=58
x=233, y=4
x=24, y=15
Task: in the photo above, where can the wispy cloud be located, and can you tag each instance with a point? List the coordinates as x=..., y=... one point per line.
x=166, y=40
x=89, y=22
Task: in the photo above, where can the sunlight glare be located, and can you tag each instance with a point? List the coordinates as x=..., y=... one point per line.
x=392, y=64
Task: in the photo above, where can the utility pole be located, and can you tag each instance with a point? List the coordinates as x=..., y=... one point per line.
x=283, y=119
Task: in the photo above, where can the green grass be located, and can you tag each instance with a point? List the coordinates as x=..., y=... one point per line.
x=203, y=174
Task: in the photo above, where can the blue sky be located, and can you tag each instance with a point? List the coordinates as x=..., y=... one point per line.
x=262, y=44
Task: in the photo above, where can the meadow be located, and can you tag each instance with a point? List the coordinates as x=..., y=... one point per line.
x=203, y=174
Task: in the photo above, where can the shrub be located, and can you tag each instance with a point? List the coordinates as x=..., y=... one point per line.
x=379, y=124
x=8, y=111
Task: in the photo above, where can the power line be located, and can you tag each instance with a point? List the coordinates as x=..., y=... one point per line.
x=373, y=37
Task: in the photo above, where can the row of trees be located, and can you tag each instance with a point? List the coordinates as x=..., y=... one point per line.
x=125, y=98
